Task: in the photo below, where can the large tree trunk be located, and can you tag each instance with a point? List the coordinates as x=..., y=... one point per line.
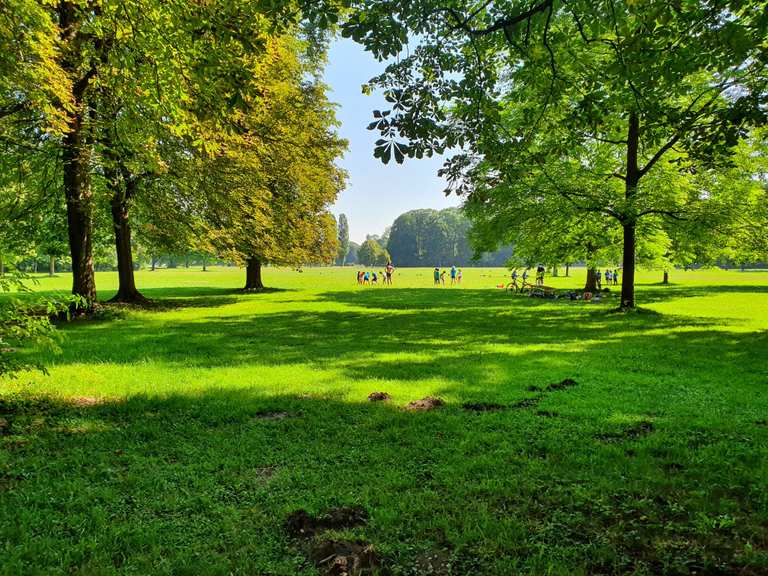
x=629, y=220
x=75, y=165
x=591, y=285
x=253, y=274
x=51, y=265
x=127, y=291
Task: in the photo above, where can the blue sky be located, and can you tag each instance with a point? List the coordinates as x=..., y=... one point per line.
x=376, y=194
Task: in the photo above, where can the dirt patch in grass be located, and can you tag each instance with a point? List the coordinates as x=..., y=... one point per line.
x=527, y=403
x=433, y=562
x=86, y=401
x=334, y=557
x=546, y=414
x=379, y=397
x=344, y=557
x=274, y=415
x=639, y=430
x=425, y=404
x=483, y=407
x=562, y=385
x=300, y=524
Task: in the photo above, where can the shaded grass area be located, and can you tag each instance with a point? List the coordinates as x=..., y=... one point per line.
x=147, y=450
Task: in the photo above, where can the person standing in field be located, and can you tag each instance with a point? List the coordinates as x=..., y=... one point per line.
x=453, y=275
x=458, y=277
x=607, y=277
x=367, y=277
x=360, y=277
x=615, y=277
x=389, y=271
x=540, y=275
x=437, y=276
x=442, y=278
x=525, y=277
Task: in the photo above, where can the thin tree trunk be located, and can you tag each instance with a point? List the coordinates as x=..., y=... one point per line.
x=2, y=266
x=567, y=270
x=666, y=277
x=75, y=165
x=186, y=260
x=629, y=221
x=127, y=291
x=253, y=274
x=205, y=263
x=152, y=263
x=591, y=285
x=51, y=265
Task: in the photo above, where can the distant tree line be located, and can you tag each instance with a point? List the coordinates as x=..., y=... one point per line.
x=423, y=237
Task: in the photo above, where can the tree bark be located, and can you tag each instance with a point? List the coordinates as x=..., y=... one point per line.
x=127, y=291
x=75, y=165
x=666, y=277
x=152, y=263
x=591, y=285
x=567, y=270
x=253, y=274
x=2, y=266
x=51, y=265
x=205, y=263
x=629, y=219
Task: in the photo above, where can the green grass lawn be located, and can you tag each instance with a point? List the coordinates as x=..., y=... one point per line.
x=145, y=449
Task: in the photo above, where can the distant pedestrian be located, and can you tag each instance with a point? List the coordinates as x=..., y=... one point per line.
x=599, y=278
x=525, y=277
x=607, y=277
x=374, y=278
x=442, y=277
x=437, y=276
x=389, y=271
x=540, y=275
x=615, y=277
x=367, y=277
x=459, y=276
x=453, y=275
x=360, y=276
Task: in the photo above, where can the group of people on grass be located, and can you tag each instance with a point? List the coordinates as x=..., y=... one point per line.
x=364, y=277
x=439, y=276
x=609, y=277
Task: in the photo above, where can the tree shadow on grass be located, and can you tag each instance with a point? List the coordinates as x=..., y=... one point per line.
x=204, y=483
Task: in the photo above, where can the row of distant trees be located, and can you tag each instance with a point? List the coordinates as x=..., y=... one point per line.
x=423, y=237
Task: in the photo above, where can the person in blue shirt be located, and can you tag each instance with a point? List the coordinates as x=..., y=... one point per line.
x=453, y=275
x=367, y=278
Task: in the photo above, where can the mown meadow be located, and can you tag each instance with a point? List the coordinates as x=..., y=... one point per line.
x=573, y=439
